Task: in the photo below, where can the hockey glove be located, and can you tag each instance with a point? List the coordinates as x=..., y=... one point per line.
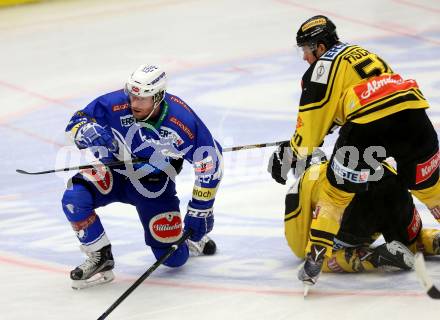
x=200, y=221
x=93, y=135
x=281, y=161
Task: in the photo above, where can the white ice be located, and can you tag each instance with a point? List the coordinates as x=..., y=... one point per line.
x=236, y=64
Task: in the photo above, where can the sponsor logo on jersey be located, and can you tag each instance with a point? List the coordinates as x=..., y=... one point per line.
x=204, y=194
x=166, y=227
x=321, y=72
x=334, y=266
x=182, y=126
x=183, y=104
x=299, y=122
x=169, y=133
x=415, y=225
x=381, y=86
x=127, y=121
x=120, y=107
x=204, y=165
x=435, y=212
x=314, y=22
x=84, y=224
x=349, y=174
x=333, y=51
x=425, y=170
x=315, y=212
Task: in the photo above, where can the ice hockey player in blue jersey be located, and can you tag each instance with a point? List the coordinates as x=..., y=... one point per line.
x=141, y=121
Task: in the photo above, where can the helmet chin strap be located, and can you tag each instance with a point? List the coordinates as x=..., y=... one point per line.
x=157, y=98
x=152, y=111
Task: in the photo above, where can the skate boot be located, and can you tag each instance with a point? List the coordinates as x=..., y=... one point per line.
x=206, y=246
x=311, y=269
x=392, y=256
x=97, y=269
x=436, y=244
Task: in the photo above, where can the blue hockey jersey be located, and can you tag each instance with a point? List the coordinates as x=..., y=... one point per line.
x=178, y=133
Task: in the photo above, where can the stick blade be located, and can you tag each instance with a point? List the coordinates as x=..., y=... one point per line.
x=22, y=171
x=424, y=278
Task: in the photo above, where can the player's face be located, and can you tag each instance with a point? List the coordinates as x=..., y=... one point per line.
x=141, y=107
x=311, y=53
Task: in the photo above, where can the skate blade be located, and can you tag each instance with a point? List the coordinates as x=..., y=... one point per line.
x=97, y=279
x=307, y=286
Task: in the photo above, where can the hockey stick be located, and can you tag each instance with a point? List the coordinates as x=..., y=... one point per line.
x=424, y=278
x=254, y=146
x=173, y=248
x=121, y=162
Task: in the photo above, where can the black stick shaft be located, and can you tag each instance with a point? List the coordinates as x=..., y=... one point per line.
x=173, y=248
x=121, y=162
x=254, y=146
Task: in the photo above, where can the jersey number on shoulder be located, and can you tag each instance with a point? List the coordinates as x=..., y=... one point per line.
x=362, y=66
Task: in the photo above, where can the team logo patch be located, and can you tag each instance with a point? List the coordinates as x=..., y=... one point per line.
x=204, y=165
x=321, y=72
x=425, y=170
x=101, y=177
x=166, y=227
x=415, y=225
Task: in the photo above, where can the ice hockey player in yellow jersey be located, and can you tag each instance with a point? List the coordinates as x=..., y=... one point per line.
x=386, y=208
x=380, y=114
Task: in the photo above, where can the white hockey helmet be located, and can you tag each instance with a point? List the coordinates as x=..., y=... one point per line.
x=147, y=81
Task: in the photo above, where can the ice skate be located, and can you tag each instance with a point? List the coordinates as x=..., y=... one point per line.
x=206, y=246
x=311, y=269
x=97, y=269
x=392, y=256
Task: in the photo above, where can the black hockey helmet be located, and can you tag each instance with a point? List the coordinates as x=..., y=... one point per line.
x=317, y=29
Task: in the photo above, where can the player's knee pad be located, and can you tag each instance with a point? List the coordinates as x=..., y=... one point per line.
x=77, y=202
x=177, y=259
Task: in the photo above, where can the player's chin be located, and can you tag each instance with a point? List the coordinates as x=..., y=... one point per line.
x=138, y=115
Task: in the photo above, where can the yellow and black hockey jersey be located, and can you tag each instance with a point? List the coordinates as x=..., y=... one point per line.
x=301, y=202
x=348, y=83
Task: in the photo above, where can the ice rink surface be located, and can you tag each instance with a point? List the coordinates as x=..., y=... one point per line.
x=236, y=64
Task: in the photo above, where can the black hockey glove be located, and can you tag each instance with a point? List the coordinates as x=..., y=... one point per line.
x=281, y=161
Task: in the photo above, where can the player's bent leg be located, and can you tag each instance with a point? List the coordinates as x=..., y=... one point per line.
x=78, y=206
x=177, y=259
x=387, y=257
